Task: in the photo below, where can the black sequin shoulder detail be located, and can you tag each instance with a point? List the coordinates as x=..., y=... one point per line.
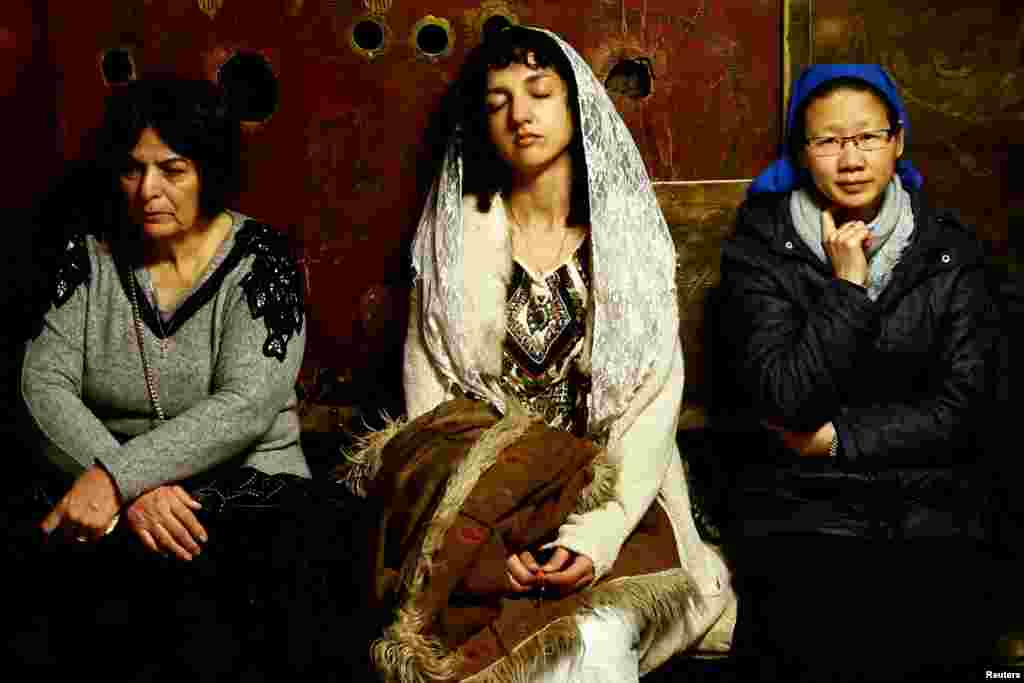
x=274, y=288
x=72, y=269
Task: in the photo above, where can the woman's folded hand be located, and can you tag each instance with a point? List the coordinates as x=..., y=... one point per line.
x=523, y=572
x=87, y=510
x=565, y=571
x=164, y=520
x=806, y=444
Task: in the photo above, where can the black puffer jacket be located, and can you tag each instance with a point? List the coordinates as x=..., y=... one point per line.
x=905, y=380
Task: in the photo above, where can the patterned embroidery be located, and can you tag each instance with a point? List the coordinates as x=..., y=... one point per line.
x=273, y=288
x=546, y=324
x=244, y=488
x=72, y=269
x=540, y=311
x=538, y=319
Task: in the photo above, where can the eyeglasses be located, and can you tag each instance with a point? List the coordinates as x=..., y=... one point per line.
x=832, y=145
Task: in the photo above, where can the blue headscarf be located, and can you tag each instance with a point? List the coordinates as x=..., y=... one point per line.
x=785, y=173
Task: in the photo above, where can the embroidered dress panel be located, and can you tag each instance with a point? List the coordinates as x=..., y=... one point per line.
x=546, y=326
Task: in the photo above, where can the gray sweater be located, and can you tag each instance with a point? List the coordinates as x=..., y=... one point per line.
x=226, y=366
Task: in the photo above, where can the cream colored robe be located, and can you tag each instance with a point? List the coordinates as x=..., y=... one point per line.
x=650, y=468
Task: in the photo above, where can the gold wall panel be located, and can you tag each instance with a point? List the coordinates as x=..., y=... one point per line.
x=960, y=69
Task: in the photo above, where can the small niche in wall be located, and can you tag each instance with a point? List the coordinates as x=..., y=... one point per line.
x=251, y=86
x=117, y=66
x=494, y=24
x=432, y=38
x=631, y=78
x=369, y=36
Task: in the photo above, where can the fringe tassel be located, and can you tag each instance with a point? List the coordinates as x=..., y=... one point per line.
x=480, y=458
x=404, y=655
x=535, y=656
x=362, y=465
x=602, y=488
x=655, y=600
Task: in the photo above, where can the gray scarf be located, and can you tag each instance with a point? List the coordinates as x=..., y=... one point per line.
x=890, y=231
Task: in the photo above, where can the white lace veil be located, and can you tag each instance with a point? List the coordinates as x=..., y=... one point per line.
x=633, y=299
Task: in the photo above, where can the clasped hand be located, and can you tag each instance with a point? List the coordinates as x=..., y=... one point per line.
x=87, y=510
x=564, y=572
x=808, y=444
x=162, y=518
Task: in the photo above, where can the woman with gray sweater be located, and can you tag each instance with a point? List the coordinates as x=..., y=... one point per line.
x=161, y=381
x=174, y=340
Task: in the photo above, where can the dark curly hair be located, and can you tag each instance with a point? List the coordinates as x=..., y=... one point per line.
x=192, y=117
x=485, y=173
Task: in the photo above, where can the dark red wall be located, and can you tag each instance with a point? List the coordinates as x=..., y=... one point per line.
x=335, y=165
x=30, y=146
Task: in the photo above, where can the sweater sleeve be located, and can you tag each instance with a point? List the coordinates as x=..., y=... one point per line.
x=248, y=390
x=51, y=386
x=932, y=428
x=642, y=455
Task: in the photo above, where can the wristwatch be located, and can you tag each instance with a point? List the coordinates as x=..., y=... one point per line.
x=833, y=450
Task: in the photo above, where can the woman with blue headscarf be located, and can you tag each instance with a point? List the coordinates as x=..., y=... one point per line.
x=857, y=328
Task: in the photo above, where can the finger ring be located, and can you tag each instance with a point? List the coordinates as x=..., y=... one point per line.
x=82, y=539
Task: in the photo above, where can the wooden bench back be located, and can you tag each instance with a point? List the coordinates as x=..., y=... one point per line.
x=700, y=215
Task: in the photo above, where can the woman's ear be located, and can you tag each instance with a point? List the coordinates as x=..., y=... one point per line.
x=899, y=143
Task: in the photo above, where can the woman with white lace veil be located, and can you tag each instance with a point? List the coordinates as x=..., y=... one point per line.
x=545, y=278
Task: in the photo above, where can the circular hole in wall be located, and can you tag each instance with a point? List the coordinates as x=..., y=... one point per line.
x=368, y=35
x=631, y=78
x=432, y=40
x=250, y=85
x=495, y=24
x=117, y=66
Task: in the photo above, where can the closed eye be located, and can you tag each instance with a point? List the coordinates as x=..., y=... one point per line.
x=824, y=141
x=174, y=168
x=131, y=169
